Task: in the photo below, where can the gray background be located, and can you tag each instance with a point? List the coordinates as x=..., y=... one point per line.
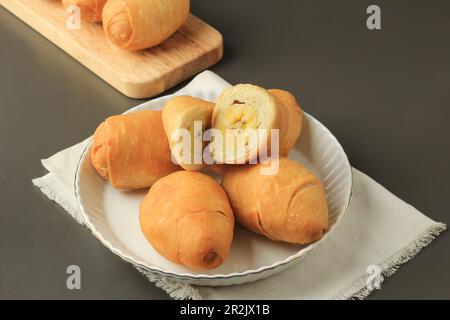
x=384, y=94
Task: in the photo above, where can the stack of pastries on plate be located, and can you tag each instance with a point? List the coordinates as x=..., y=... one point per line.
x=187, y=216
x=134, y=24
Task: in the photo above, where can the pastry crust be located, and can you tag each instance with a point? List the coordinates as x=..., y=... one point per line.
x=239, y=110
x=99, y=151
x=139, y=24
x=293, y=120
x=187, y=218
x=132, y=150
x=91, y=10
x=290, y=206
x=182, y=112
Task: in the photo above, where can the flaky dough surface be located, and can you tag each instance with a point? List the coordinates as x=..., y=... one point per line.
x=132, y=150
x=290, y=206
x=187, y=218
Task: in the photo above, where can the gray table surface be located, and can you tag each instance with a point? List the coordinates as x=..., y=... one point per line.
x=384, y=94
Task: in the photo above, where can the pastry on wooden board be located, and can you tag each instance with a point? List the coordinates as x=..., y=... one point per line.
x=289, y=206
x=139, y=24
x=91, y=10
x=131, y=150
x=187, y=218
x=191, y=115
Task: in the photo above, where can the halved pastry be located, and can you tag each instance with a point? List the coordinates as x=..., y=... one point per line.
x=187, y=218
x=245, y=115
x=131, y=150
x=293, y=120
x=185, y=119
x=289, y=205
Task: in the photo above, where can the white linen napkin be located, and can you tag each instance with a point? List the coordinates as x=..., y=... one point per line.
x=378, y=234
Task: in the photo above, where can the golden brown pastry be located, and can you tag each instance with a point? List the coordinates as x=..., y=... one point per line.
x=240, y=111
x=289, y=206
x=132, y=150
x=139, y=24
x=191, y=115
x=91, y=10
x=187, y=218
x=293, y=120
x=99, y=150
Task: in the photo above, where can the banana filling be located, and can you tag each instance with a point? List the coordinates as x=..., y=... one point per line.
x=237, y=125
x=243, y=115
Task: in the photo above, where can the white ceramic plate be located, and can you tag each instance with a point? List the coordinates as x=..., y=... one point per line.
x=112, y=215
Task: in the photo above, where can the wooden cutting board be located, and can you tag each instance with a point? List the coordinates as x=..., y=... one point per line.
x=195, y=47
